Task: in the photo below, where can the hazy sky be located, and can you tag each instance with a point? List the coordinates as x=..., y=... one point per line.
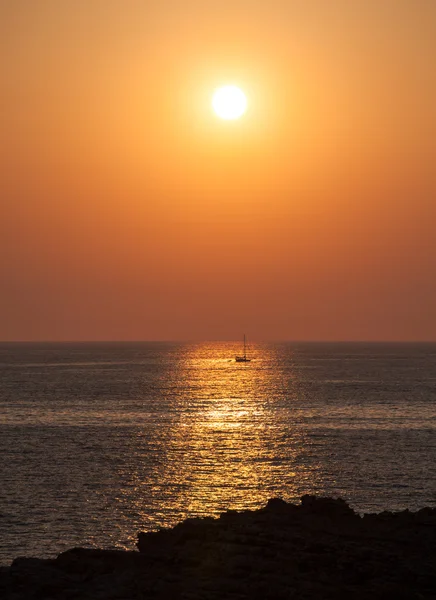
x=130, y=211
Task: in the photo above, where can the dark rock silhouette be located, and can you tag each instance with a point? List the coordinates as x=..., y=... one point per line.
x=320, y=549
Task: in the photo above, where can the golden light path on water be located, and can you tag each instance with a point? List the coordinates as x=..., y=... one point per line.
x=226, y=447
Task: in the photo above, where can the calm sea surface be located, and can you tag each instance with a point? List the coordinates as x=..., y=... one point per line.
x=99, y=441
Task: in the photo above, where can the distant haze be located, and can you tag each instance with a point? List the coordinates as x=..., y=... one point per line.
x=129, y=211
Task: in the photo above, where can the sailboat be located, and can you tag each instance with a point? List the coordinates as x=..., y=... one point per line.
x=243, y=358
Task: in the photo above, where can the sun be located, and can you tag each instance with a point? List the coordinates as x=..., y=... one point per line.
x=229, y=102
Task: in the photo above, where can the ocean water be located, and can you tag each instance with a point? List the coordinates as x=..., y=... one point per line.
x=99, y=441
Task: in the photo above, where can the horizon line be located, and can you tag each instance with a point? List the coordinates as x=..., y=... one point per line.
x=204, y=341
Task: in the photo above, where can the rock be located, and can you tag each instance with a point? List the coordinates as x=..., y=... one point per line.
x=278, y=506
x=327, y=507
x=319, y=549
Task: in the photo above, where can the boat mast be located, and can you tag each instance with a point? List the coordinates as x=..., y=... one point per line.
x=245, y=354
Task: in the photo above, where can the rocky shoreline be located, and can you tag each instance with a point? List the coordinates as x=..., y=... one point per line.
x=320, y=549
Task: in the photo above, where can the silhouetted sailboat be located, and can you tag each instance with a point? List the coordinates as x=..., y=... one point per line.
x=243, y=358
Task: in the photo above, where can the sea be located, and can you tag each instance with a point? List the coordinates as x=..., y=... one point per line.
x=99, y=441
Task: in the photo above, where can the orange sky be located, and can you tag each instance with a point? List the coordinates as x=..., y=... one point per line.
x=129, y=211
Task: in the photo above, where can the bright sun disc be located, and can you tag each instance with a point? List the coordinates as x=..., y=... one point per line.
x=229, y=102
